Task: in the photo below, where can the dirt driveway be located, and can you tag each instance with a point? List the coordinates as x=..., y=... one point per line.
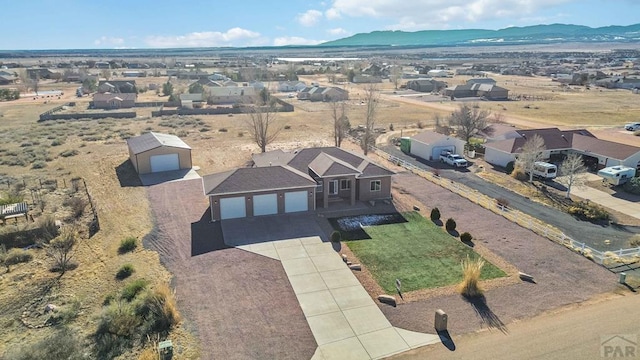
x=562, y=277
x=241, y=305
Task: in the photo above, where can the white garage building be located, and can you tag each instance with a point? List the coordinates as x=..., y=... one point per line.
x=429, y=145
x=154, y=152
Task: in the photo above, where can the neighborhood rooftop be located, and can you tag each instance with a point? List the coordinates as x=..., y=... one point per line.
x=254, y=179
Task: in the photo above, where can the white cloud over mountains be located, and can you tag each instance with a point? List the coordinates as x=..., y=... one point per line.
x=232, y=37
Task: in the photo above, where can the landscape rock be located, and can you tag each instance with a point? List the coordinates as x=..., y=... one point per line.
x=387, y=299
x=355, y=267
x=344, y=257
x=50, y=308
x=526, y=277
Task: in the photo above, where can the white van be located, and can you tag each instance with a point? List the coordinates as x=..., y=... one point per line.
x=545, y=170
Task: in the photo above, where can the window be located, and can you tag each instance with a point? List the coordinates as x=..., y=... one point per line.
x=333, y=187
x=376, y=185
x=345, y=184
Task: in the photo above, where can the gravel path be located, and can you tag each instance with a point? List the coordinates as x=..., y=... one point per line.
x=562, y=276
x=240, y=304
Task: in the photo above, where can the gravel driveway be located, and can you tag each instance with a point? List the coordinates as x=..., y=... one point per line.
x=241, y=305
x=562, y=276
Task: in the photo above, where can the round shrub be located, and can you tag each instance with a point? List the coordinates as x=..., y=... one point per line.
x=466, y=237
x=450, y=225
x=435, y=214
x=336, y=236
x=127, y=245
x=125, y=271
x=632, y=186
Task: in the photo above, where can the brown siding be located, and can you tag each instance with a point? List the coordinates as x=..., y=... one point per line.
x=365, y=194
x=144, y=159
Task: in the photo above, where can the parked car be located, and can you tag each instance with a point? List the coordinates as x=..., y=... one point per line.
x=632, y=126
x=453, y=159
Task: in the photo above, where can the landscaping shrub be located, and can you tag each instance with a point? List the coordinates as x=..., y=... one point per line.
x=435, y=214
x=471, y=269
x=125, y=271
x=502, y=202
x=63, y=344
x=632, y=186
x=589, y=211
x=450, y=225
x=466, y=237
x=38, y=164
x=510, y=166
x=336, y=236
x=127, y=245
x=158, y=310
x=519, y=174
x=635, y=241
x=77, y=206
x=13, y=257
x=132, y=289
x=69, y=153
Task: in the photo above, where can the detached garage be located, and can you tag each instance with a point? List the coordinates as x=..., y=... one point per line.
x=154, y=152
x=429, y=145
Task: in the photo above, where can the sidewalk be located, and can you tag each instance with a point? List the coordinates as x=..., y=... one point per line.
x=627, y=207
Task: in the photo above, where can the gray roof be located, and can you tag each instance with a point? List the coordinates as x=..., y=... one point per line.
x=327, y=165
x=191, y=97
x=151, y=140
x=430, y=137
x=303, y=159
x=244, y=180
x=109, y=96
x=270, y=158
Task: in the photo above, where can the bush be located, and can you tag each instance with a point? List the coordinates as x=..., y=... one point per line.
x=336, y=236
x=435, y=214
x=510, y=166
x=69, y=153
x=287, y=127
x=77, y=206
x=223, y=130
x=450, y=225
x=634, y=241
x=127, y=245
x=519, y=174
x=63, y=344
x=471, y=270
x=117, y=330
x=632, y=186
x=466, y=237
x=38, y=164
x=588, y=211
x=125, y=271
x=13, y=257
x=158, y=310
x=502, y=202
x=132, y=289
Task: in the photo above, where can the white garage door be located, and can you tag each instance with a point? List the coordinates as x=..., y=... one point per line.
x=165, y=162
x=296, y=201
x=265, y=204
x=435, y=153
x=232, y=208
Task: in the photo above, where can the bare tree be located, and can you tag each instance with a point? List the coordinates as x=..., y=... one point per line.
x=532, y=151
x=106, y=74
x=371, y=99
x=396, y=75
x=262, y=122
x=341, y=123
x=468, y=120
x=61, y=248
x=572, y=172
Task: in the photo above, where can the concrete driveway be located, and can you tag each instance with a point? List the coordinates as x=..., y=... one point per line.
x=271, y=228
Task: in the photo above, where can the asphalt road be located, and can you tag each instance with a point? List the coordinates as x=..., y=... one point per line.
x=582, y=231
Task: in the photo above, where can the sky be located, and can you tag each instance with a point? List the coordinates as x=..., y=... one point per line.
x=92, y=24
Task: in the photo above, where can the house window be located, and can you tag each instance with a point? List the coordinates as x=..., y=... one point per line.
x=333, y=187
x=345, y=184
x=376, y=185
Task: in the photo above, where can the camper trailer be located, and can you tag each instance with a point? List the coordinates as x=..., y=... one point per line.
x=544, y=170
x=617, y=175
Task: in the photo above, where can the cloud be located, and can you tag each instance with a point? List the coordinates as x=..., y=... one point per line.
x=295, y=40
x=232, y=37
x=439, y=14
x=337, y=31
x=105, y=40
x=309, y=18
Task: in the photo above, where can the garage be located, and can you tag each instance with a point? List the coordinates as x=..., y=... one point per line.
x=233, y=208
x=266, y=204
x=437, y=150
x=429, y=145
x=166, y=162
x=296, y=201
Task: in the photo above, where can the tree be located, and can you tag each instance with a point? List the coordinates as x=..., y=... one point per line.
x=396, y=75
x=60, y=249
x=572, y=172
x=90, y=84
x=350, y=75
x=371, y=97
x=196, y=88
x=341, y=123
x=167, y=89
x=531, y=151
x=262, y=124
x=468, y=120
x=106, y=74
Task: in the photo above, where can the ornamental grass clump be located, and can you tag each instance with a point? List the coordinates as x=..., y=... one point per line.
x=471, y=269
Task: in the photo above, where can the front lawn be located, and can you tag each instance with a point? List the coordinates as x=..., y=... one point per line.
x=418, y=252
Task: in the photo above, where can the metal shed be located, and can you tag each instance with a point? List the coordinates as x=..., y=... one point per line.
x=154, y=152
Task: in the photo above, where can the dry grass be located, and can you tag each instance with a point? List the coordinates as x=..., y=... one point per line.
x=471, y=269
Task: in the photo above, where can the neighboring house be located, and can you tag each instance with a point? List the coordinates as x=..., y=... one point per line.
x=7, y=77
x=596, y=153
x=117, y=86
x=366, y=79
x=256, y=84
x=114, y=101
x=489, y=81
x=154, y=152
x=486, y=91
x=218, y=77
x=284, y=182
x=438, y=73
x=43, y=73
x=191, y=100
x=429, y=145
x=133, y=73
x=426, y=85
x=320, y=93
x=232, y=95
x=291, y=86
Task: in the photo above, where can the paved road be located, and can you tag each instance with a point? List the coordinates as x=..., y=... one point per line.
x=571, y=333
x=583, y=231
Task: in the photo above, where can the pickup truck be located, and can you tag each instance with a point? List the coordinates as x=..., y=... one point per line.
x=453, y=159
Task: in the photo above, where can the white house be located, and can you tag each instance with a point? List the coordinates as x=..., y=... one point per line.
x=429, y=145
x=290, y=86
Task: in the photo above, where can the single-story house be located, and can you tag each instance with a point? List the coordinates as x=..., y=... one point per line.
x=320, y=93
x=7, y=77
x=438, y=73
x=291, y=86
x=114, y=101
x=117, y=86
x=155, y=152
x=43, y=73
x=486, y=91
x=134, y=73
x=191, y=100
x=597, y=153
x=366, y=79
x=285, y=182
x=426, y=85
x=232, y=95
x=429, y=145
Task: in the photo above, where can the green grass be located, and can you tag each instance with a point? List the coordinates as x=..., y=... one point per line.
x=419, y=253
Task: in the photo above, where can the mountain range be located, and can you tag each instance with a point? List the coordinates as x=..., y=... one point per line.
x=537, y=34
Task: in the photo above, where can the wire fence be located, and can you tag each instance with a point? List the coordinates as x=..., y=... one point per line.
x=606, y=258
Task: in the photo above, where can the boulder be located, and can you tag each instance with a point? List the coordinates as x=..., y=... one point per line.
x=50, y=308
x=526, y=277
x=344, y=258
x=387, y=299
x=355, y=267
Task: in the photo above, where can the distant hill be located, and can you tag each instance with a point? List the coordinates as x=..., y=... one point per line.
x=537, y=34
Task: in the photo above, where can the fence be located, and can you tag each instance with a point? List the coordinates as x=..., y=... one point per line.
x=605, y=258
x=284, y=107
x=101, y=115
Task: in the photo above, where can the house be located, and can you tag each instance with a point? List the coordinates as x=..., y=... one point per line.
x=485, y=91
x=488, y=81
x=426, y=85
x=155, y=152
x=259, y=85
x=429, y=145
x=285, y=182
x=438, y=73
x=319, y=93
x=134, y=73
x=43, y=73
x=7, y=77
x=191, y=100
x=117, y=86
x=596, y=153
x=366, y=79
x=291, y=86
x=114, y=101
x=232, y=95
